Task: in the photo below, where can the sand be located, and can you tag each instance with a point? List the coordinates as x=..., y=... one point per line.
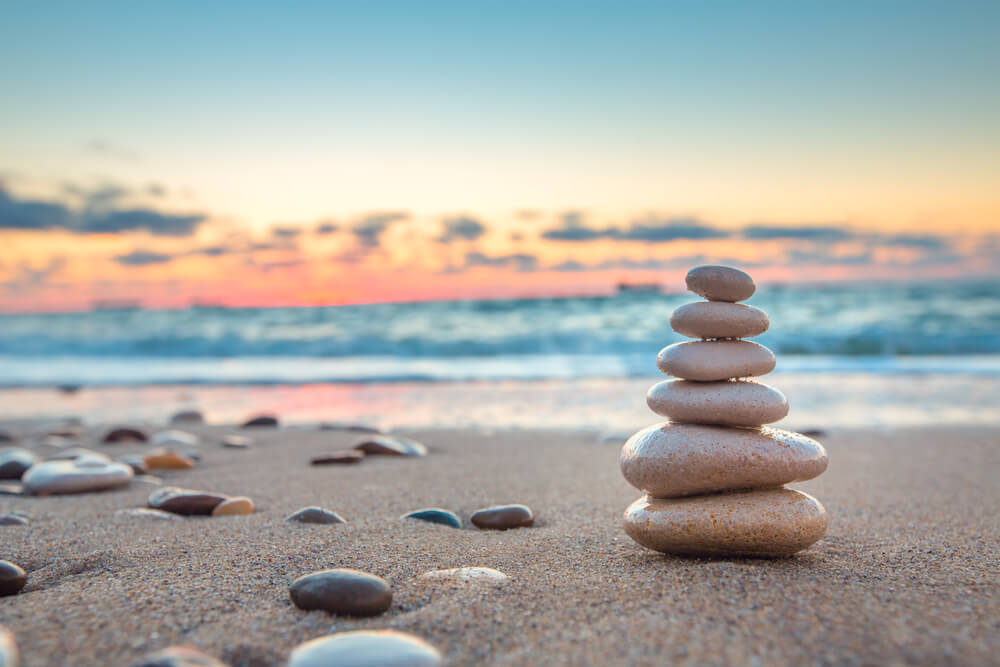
x=907, y=573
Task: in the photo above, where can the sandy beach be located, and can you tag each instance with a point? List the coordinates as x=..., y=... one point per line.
x=907, y=573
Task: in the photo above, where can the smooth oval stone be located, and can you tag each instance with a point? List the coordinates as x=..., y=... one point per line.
x=736, y=403
x=9, y=656
x=167, y=461
x=234, y=506
x=668, y=460
x=15, y=461
x=771, y=522
x=234, y=441
x=78, y=475
x=188, y=417
x=365, y=648
x=147, y=513
x=174, y=438
x=185, y=501
x=12, y=578
x=345, y=457
x=705, y=361
x=390, y=445
x=125, y=434
x=435, y=515
x=261, y=421
x=315, y=515
x=720, y=283
x=466, y=575
x=715, y=319
x=502, y=517
x=179, y=656
x=342, y=591
x=13, y=519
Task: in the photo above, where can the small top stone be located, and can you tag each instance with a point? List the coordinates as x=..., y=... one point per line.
x=720, y=283
x=365, y=648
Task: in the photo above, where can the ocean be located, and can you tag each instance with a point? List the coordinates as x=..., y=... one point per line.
x=866, y=353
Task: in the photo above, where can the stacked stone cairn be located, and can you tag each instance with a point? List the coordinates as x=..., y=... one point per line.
x=713, y=475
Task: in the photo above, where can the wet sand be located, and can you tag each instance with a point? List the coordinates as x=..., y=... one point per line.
x=907, y=574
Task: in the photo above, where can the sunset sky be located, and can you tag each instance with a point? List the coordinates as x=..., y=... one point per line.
x=310, y=153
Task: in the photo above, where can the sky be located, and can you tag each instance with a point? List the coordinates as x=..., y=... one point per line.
x=323, y=153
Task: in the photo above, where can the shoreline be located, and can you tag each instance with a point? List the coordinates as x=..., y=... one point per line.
x=903, y=575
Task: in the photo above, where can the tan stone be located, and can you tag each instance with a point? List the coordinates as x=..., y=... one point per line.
x=668, y=460
x=772, y=522
x=233, y=506
x=167, y=461
x=715, y=360
x=720, y=283
x=716, y=319
x=730, y=402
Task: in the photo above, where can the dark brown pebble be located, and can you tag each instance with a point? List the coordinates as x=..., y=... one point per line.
x=342, y=457
x=502, y=517
x=262, y=420
x=342, y=591
x=125, y=434
x=15, y=461
x=185, y=501
x=13, y=578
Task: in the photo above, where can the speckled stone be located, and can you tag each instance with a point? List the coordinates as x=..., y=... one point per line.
x=736, y=403
x=79, y=475
x=720, y=283
x=234, y=506
x=188, y=417
x=466, y=575
x=667, y=460
x=771, y=523
x=390, y=445
x=174, y=438
x=185, y=501
x=9, y=655
x=125, y=434
x=12, y=578
x=342, y=591
x=167, y=461
x=503, y=517
x=14, y=519
x=234, y=441
x=435, y=515
x=705, y=361
x=715, y=319
x=179, y=656
x=261, y=421
x=148, y=513
x=344, y=457
x=315, y=515
x=15, y=461
x=365, y=648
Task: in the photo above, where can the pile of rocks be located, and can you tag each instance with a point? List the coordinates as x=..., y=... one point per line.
x=713, y=475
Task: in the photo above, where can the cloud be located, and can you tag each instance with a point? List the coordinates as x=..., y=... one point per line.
x=369, y=230
x=143, y=258
x=100, y=215
x=28, y=276
x=518, y=261
x=325, y=228
x=648, y=230
x=630, y=264
x=285, y=232
x=925, y=241
x=211, y=251
x=764, y=232
x=461, y=228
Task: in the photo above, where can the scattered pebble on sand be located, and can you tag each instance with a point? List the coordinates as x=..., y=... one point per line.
x=365, y=648
x=188, y=417
x=261, y=421
x=343, y=457
x=15, y=461
x=165, y=460
x=466, y=575
x=13, y=519
x=125, y=434
x=148, y=513
x=435, y=515
x=174, y=438
x=179, y=656
x=315, y=515
x=78, y=475
x=234, y=506
x=342, y=591
x=12, y=578
x=9, y=656
x=11, y=489
x=503, y=517
x=6, y=436
x=134, y=461
x=390, y=445
x=235, y=441
x=185, y=501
